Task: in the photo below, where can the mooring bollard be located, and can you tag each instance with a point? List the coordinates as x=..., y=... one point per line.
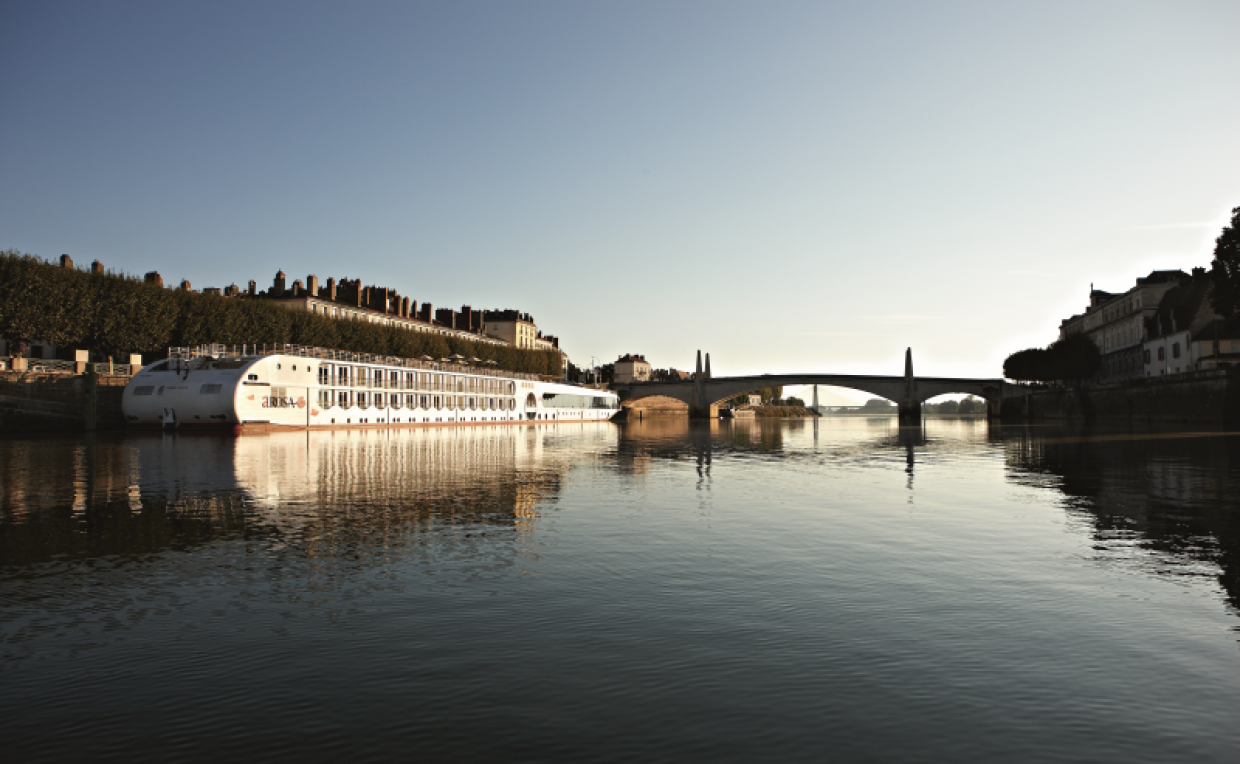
x=91, y=405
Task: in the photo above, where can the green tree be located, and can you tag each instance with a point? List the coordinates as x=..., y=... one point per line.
x=1225, y=270
x=973, y=405
x=1024, y=365
x=1074, y=359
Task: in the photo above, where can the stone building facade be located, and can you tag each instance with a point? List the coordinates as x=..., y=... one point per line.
x=1163, y=325
x=1116, y=322
x=631, y=368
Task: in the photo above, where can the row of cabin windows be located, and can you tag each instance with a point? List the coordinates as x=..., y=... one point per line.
x=412, y=380
x=348, y=398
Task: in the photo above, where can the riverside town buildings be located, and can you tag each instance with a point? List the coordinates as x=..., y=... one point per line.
x=379, y=305
x=1162, y=325
x=632, y=368
x=349, y=299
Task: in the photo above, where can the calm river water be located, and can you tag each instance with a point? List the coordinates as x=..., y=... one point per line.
x=786, y=591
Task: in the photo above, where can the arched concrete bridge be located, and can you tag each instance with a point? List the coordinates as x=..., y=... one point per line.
x=704, y=393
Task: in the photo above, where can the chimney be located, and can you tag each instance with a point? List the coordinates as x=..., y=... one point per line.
x=153, y=278
x=185, y=286
x=297, y=288
x=277, y=285
x=231, y=291
x=253, y=288
x=66, y=261
x=427, y=312
x=96, y=267
x=404, y=308
x=312, y=285
x=331, y=289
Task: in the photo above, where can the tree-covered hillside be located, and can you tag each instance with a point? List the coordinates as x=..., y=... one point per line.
x=116, y=313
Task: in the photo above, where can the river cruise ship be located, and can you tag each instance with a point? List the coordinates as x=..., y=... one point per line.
x=300, y=387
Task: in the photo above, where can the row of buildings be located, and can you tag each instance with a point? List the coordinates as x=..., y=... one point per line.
x=1163, y=325
x=350, y=299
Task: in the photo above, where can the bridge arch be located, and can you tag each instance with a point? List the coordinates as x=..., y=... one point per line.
x=703, y=394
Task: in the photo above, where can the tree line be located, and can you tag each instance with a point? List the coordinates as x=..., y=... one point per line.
x=1071, y=359
x=113, y=313
x=767, y=394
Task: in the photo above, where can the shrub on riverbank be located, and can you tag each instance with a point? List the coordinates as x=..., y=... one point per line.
x=782, y=411
x=116, y=313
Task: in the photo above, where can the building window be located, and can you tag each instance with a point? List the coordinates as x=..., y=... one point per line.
x=1175, y=350
x=1161, y=354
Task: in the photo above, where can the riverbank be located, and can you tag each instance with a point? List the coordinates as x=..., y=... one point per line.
x=781, y=412
x=38, y=402
x=1205, y=396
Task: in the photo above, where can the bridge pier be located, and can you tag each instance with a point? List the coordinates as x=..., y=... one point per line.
x=909, y=413
x=909, y=406
x=703, y=412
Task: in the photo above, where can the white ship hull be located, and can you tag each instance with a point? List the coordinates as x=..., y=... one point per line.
x=311, y=388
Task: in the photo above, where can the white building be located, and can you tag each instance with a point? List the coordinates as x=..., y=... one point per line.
x=1179, y=336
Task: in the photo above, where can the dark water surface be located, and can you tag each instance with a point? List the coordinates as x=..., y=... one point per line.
x=784, y=591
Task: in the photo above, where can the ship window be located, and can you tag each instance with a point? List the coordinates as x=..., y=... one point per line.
x=147, y=390
x=277, y=366
x=252, y=376
x=209, y=389
x=294, y=367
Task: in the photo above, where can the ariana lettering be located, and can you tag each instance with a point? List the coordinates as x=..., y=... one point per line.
x=283, y=402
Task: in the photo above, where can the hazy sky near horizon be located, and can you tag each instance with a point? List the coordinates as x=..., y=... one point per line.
x=791, y=186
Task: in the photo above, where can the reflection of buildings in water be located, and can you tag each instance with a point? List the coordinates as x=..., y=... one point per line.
x=1168, y=494
x=341, y=488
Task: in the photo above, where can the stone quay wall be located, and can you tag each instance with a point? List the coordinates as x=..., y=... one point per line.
x=35, y=402
x=1199, y=397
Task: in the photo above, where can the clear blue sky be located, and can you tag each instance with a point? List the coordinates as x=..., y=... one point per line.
x=790, y=186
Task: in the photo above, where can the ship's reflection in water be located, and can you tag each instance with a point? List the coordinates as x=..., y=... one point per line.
x=326, y=493
x=667, y=590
